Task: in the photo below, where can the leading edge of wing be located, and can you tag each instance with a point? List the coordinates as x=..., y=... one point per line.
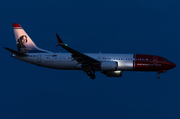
x=79, y=57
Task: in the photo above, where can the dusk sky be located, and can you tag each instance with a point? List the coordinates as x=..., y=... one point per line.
x=91, y=26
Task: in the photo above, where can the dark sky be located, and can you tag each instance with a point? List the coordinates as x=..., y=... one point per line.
x=120, y=26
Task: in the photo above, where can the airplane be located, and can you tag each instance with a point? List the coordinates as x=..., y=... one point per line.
x=111, y=65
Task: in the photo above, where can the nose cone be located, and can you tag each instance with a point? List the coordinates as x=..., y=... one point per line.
x=171, y=65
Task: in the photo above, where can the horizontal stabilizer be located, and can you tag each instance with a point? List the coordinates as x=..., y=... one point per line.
x=15, y=52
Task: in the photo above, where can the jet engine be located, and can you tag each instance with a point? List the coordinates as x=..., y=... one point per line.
x=109, y=66
x=112, y=73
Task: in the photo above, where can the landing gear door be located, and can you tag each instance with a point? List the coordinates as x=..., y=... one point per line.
x=39, y=58
x=155, y=60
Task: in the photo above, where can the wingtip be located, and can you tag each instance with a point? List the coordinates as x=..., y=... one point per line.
x=58, y=38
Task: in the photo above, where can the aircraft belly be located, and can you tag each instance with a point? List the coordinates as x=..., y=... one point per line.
x=66, y=64
x=60, y=64
x=27, y=59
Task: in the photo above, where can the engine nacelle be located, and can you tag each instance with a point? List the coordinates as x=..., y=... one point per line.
x=109, y=66
x=112, y=73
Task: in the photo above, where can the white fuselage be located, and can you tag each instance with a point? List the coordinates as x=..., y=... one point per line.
x=65, y=60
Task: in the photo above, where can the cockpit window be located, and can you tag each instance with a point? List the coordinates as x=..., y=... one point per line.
x=165, y=60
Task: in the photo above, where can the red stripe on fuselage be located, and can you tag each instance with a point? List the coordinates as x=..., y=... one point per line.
x=54, y=55
x=148, y=63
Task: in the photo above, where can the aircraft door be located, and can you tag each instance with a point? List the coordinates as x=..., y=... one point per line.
x=155, y=60
x=39, y=58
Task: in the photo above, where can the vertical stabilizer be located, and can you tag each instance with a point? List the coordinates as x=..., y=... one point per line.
x=24, y=42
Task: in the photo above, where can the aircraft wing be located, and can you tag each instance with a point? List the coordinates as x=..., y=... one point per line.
x=81, y=58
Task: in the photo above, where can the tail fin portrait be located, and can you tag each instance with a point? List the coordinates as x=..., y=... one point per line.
x=24, y=42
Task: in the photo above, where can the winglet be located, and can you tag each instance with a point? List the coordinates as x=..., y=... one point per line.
x=60, y=41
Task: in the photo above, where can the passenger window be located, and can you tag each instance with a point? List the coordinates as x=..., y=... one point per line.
x=165, y=60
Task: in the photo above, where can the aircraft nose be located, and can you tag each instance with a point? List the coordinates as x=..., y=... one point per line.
x=171, y=65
